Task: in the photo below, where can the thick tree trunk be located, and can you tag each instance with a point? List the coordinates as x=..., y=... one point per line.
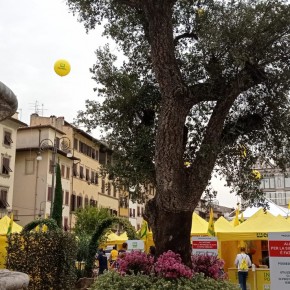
x=171, y=231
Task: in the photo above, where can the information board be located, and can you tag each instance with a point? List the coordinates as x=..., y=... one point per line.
x=204, y=245
x=279, y=257
x=135, y=245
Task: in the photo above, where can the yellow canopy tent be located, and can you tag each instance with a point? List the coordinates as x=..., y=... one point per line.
x=223, y=225
x=124, y=236
x=254, y=230
x=4, y=225
x=113, y=239
x=199, y=226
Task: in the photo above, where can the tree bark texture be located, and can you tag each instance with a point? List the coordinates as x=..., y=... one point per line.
x=179, y=189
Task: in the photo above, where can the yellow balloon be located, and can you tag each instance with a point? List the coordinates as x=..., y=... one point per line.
x=62, y=67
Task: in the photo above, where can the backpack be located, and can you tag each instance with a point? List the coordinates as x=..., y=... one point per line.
x=244, y=264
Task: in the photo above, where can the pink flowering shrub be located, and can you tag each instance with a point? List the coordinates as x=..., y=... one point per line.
x=169, y=265
x=135, y=262
x=210, y=265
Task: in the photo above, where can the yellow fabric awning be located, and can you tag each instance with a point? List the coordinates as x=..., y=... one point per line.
x=199, y=226
x=256, y=228
x=4, y=224
x=223, y=225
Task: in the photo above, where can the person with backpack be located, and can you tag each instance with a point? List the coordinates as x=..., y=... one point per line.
x=243, y=263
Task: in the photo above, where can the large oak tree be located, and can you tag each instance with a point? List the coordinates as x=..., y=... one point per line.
x=205, y=83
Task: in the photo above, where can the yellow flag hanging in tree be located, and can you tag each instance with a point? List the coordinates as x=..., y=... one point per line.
x=9, y=230
x=211, y=224
x=143, y=230
x=236, y=221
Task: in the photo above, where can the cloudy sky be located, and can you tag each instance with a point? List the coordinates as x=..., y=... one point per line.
x=33, y=35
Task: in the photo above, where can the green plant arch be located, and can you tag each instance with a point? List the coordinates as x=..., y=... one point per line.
x=50, y=223
x=101, y=230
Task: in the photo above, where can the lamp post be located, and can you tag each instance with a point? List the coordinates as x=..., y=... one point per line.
x=63, y=144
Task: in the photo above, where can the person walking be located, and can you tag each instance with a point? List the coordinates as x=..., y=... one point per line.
x=243, y=262
x=103, y=262
x=123, y=251
x=113, y=257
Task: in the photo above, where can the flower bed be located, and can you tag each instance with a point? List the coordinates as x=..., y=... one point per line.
x=137, y=271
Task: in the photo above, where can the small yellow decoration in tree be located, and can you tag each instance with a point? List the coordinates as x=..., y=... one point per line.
x=200, y=12
x=256, y=174
x=243, y=151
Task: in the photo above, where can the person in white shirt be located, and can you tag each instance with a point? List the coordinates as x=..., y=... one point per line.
x=242, y=270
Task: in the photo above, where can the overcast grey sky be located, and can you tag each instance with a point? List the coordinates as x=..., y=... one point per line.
x=33, y=35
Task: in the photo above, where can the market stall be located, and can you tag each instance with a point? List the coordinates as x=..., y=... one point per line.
x=253, y=233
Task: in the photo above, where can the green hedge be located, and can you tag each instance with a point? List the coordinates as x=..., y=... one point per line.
x=113, y=281
x=48, y=258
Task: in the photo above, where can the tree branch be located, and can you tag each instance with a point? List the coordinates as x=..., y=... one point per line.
x=185, y=35
x=130, y=3
x=244, y=125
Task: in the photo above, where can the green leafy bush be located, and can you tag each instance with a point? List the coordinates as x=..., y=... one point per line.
x=113, y=280
x=47, y=257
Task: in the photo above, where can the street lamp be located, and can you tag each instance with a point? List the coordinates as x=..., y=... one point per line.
x=63, y=144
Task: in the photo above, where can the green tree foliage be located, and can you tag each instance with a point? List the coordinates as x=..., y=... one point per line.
x=88, y=219
x=57, y=202
x=99, y=232
x=203, y=82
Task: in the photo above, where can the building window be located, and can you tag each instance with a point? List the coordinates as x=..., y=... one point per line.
x=79, y=202
x=103, y=186
x=49, y=193
x=102, y=158
x=75, y=170
x=62, y=170
x=82, y=172
x=87, y=175
x=114, y=191
x=93, y=180
x=138, y=211
x=75, y=143
x=97, y=178
x=6, y=165
x=73, y=202
x=66, y=197
x=29, y=166
x=67, y=172
x=7, y=138
x=3, y=198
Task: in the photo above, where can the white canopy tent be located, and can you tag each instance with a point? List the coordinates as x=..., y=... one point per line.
x=274, y=209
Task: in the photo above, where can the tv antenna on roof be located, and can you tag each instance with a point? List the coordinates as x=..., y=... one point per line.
x=38, y=108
